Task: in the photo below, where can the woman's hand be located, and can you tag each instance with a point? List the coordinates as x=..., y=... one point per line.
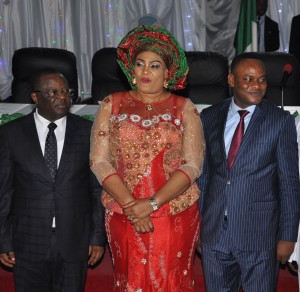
x=144, y=226
x=137, y=210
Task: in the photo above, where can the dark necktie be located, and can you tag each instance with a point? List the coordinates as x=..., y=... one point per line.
x=236, y=139
x=51, y=150
x=258, y=33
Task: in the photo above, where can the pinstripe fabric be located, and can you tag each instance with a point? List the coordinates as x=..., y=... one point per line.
x=262, y=190
x=228, y=271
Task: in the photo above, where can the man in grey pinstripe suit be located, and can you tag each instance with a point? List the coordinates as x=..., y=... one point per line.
x=250, y=213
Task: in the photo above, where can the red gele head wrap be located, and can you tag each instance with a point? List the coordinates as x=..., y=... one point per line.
x=160, y=41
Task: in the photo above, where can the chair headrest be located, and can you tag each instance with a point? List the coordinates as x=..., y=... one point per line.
x=28, y=61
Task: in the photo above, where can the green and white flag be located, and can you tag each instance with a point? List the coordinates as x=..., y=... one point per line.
x=246, y=32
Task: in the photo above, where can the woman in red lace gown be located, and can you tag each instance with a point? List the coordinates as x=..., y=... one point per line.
x=147, y=151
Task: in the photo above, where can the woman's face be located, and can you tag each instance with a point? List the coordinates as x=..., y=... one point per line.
x=150, y=71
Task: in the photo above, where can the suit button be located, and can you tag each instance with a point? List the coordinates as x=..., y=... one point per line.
x=228, y=182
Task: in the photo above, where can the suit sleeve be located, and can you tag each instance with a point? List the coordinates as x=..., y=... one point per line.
x=98, y=235
x=289, y=186
x=276, y=44
x=293, y=38
x=272, y=42
x=204, y=177
x=6, y=192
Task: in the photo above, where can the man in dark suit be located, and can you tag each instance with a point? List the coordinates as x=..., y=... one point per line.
x=295, y=37
x=268, y=32
x=51, y=217
x=249, y=186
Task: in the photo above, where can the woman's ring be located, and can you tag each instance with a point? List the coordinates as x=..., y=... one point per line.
x=130, y=218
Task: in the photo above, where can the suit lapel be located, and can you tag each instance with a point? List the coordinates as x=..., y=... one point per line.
x=30, y=132
x=221, y=126
x=254, y=125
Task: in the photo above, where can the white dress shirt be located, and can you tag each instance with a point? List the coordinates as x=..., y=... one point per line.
x=42, y=129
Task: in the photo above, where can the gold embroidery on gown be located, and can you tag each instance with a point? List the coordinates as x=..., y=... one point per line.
x=139, y=141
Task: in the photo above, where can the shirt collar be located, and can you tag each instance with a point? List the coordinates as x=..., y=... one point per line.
x=234, y=108
x=41, y=120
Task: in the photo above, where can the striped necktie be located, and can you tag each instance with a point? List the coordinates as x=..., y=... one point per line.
x=236, y=139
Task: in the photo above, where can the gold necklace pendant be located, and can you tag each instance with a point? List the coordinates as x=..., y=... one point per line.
x=148, y=107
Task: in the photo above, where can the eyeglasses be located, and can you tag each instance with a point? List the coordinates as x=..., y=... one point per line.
x=55, y=93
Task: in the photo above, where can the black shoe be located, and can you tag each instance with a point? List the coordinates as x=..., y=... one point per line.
x=293, y=267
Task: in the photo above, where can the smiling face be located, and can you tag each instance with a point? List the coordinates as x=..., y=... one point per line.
x=56, y=106
x=248, y=82
x=150, y=71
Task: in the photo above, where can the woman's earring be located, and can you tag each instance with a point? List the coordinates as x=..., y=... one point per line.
x=133, y=81
x=166, y=84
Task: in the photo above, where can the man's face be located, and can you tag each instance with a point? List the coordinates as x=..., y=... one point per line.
x=248, y=83
x=261, y=7
x=52, y=99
